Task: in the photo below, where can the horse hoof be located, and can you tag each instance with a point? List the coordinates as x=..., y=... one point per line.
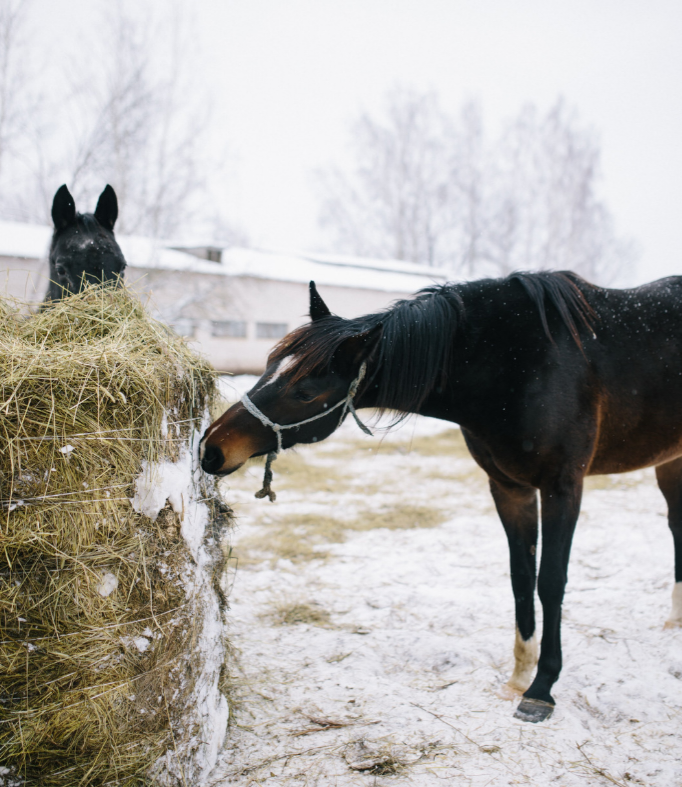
x=533, y=710
x=673, y=624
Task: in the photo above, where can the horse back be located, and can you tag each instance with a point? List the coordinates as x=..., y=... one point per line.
x=537, y=399
x=636, y=357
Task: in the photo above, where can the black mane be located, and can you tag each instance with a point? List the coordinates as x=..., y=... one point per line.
x=418, y=334
x=564, y=291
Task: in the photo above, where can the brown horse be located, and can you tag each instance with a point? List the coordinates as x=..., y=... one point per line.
x=550, y=378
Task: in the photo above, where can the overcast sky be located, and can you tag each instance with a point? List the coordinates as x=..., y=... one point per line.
x=289, y=76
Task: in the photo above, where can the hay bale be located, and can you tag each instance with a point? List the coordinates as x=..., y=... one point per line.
x=112, y=551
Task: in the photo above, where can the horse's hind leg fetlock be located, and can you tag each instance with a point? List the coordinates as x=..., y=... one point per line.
x=525, y=661
x=675, y=619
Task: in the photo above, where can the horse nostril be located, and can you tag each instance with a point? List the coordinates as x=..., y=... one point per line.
x=213, y=459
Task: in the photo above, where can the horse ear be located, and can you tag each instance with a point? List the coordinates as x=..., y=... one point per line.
x=106, y=211
x=353, y=351
x=318, y=308
x=63, y=208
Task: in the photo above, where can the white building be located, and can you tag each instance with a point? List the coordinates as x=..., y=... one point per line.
x=231, y=304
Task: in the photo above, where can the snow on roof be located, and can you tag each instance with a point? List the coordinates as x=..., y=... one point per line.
x=365, y=274
x=329, y=270
x=396, y=266
x=32, y=241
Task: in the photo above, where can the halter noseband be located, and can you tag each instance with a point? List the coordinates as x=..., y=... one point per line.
x=346, y=403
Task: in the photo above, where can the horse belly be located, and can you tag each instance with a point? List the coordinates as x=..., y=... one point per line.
x=620, y=450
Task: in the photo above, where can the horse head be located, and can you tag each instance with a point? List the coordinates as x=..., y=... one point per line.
x=311, y=374
x=83, y=249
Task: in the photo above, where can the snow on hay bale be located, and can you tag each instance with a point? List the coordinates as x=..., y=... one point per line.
x=112, y=551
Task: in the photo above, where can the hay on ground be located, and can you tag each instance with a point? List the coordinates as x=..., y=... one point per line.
x=100, y=615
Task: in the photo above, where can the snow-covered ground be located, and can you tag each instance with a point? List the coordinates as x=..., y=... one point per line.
x=372, y=625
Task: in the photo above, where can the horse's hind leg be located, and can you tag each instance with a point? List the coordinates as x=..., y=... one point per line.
x=518, y=509
x=669, y=478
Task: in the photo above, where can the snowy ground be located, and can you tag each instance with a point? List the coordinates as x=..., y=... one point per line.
x=372, y=622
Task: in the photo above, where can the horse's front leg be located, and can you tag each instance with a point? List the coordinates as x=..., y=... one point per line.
x=517, y=507
x=560, y=509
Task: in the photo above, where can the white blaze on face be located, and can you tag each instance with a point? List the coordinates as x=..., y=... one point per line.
x=283, y=366
x=526, y=659
x=675, y=618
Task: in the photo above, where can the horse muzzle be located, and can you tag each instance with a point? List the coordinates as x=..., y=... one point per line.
x=224, y=449
x=213, y=461
x=218, y=460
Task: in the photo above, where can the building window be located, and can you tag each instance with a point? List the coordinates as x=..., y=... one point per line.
x=234, y=329
x=271, y=330
x=214, y=255
x=184, y=326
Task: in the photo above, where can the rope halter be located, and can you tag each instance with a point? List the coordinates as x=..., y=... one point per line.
x=346, y=404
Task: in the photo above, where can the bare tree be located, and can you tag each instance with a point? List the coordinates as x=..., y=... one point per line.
x=25, y=115
x=546, y=212
x=20, y=101
x=130, y=113
x=141, y=123
x=12, y=75
x=469, y=179
x=397, y=200
x=430, y=189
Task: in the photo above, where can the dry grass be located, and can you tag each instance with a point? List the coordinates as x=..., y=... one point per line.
x=334, y=471
x=377, y=758
x=86, y=677
x=446, y=443
x=292, y=471
x=611, y=482
x=302, y=537
x=293, y=613
x=398, y=518
x=333, y=468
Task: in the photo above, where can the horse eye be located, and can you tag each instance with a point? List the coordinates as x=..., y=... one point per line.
x=60, y=269
x=305, y=396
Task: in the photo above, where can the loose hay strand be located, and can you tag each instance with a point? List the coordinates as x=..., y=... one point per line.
x=84, y=389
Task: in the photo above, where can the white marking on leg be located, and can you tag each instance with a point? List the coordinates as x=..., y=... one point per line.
x=526, y=659
x=675, y=618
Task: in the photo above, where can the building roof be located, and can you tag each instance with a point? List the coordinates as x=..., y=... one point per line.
x=27, y=241
x=31, y=241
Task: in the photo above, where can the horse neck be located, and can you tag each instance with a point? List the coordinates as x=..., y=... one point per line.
x=382, y=383
x=368, y=394
x=453, y=356
x=437, y=404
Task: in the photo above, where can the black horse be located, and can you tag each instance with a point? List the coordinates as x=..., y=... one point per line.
x=83, y=249
x=550, y=378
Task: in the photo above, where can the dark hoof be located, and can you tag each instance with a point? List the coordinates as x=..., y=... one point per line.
x=533, y=710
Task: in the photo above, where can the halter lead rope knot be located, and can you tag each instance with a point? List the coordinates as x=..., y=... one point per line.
x=346, y=403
